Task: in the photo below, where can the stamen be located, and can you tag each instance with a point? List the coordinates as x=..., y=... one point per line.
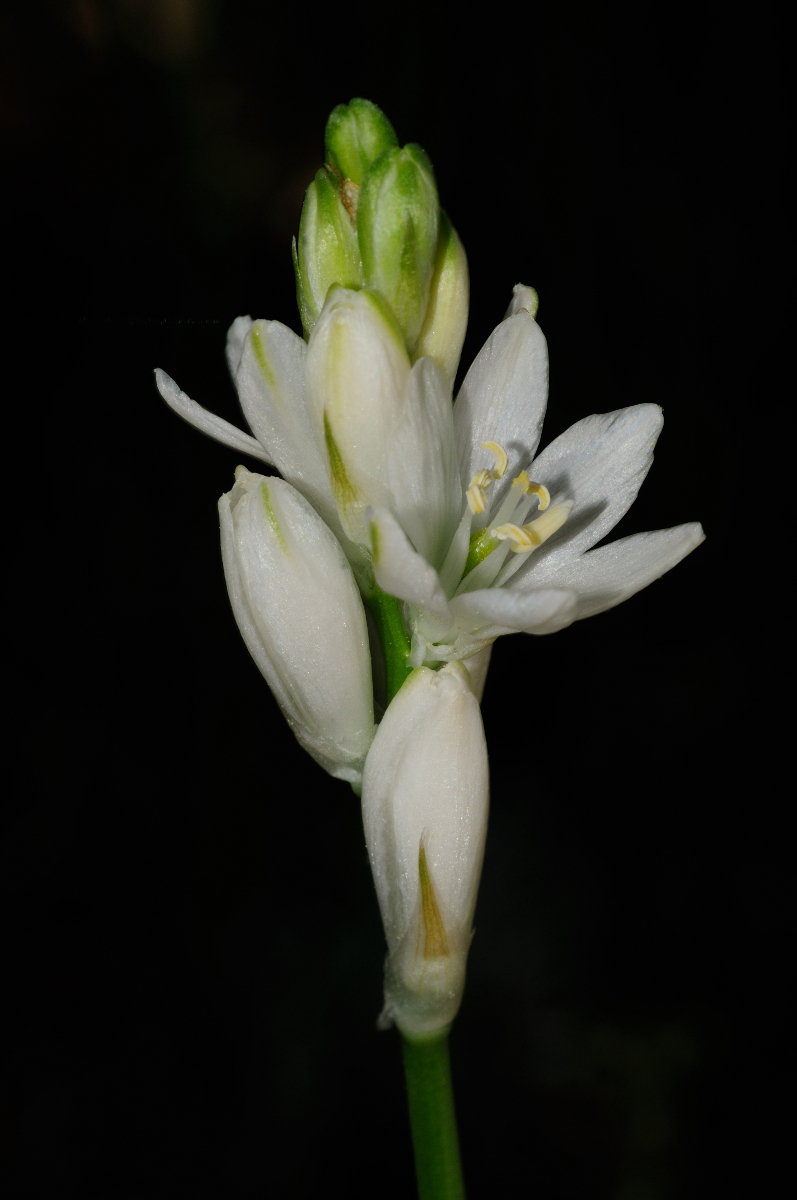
x=515, y=505
x=522, y=541
x=533, y=489
x=477, y=492
x=528, y=537
x=501, y=460
x=544, y=527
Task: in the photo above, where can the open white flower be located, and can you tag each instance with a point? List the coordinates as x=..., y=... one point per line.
x=446, y=507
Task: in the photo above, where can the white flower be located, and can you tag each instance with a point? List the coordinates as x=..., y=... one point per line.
x=445, y=506
x=425, y=800
x=301, y=617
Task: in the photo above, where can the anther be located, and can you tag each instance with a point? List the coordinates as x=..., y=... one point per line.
x=528, y=537
x=501, y=460
x=533, y=489
x=522, y=542
x=477, y=492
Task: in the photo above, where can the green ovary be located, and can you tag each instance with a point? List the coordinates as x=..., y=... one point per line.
x=482, y=543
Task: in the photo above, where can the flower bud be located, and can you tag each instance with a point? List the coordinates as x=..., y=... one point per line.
x=425, y=800
x=446, y=317
x=300, y=614
x=356, y=376
x=327, y=250
x=356, y=134
x=397, y=225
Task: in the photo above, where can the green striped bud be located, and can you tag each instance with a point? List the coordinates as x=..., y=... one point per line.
x=356, y=134
x=327, y=250
x=397, y=227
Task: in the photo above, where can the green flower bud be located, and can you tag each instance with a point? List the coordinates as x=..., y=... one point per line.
x=397, y=226
x=356, y=134
x=327, y=251
x=446, y=318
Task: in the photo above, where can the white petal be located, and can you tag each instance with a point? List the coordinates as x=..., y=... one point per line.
x=609, y=575
x=599, y=464
x=503, y=400
x=215, y=427
x=299, y=611
x=477, y=667
x=243, y=616
x=457, y=554
x=426, y=778
x=270, y=381
x=423, y=475
x=236, y=335
x=496, y=610
x=399, y=569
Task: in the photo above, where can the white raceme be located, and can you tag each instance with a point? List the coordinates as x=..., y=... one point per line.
x=300, y=614
x=441, y=516
x=425, y=800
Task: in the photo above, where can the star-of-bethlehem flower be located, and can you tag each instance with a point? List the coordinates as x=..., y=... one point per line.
x=441, y=516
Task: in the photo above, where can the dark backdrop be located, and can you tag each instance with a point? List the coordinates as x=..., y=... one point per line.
x=194, y=943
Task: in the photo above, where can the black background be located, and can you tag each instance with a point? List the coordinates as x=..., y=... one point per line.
x=194, y=943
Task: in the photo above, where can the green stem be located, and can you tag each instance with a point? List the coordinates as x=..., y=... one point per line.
x=388, y=612
x=427, y=1068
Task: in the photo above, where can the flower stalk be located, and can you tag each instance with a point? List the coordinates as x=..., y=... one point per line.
x=388, y=615
x=430, y=1095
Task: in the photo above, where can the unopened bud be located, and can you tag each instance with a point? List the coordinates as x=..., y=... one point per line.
x=446, y=318
x=397, y=227
x=356, y=375
x=327, y=250
x=356, y=134
x=295, y=600
x=425, y=800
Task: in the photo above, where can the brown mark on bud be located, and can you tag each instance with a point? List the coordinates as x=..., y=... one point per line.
x=436, y=940
x=350, y=198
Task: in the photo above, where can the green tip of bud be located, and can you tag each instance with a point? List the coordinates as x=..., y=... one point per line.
x=372, y=219
x=356, y=134
x=397, y=228
x=327, y=250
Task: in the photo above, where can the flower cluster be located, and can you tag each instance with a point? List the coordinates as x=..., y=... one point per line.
x=410, y=529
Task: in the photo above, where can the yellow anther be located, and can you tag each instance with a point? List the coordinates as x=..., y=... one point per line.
x=529, y=537
x=520, y=538
x=477, y=492
x=501, y=460
x=477, y=499
x=533, y=489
